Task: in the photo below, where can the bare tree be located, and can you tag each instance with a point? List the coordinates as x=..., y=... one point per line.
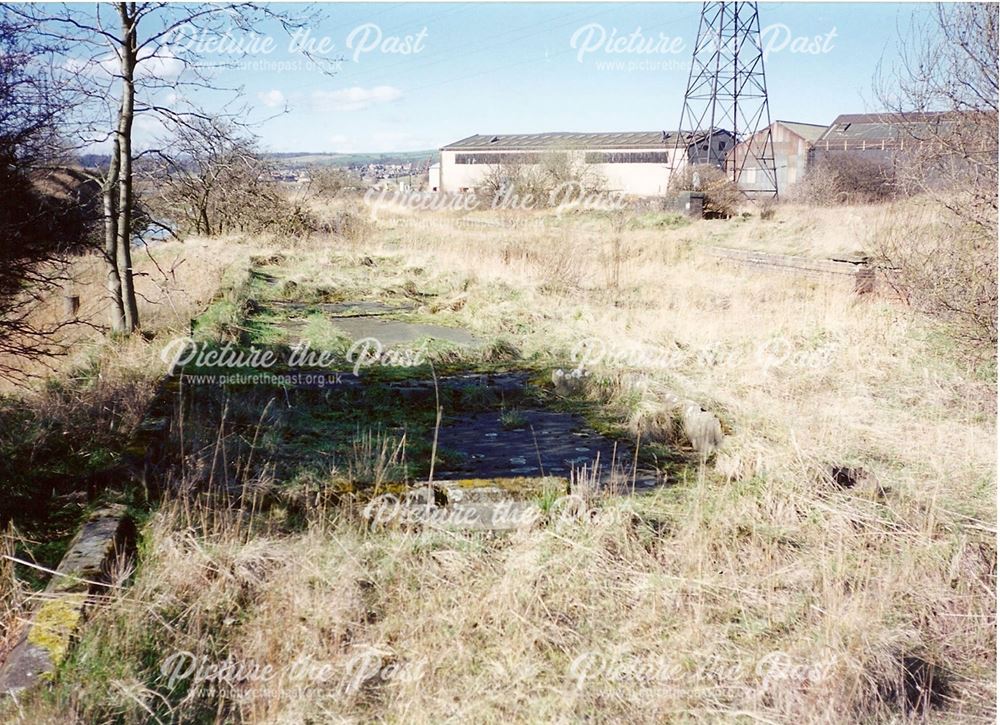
x=208, y=157
x=332, y=183
x=45, y=211
x=131, y=53
x=217, y=180
x=540, y=180
x=942, y=95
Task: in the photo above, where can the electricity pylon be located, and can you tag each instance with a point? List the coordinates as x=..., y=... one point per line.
x=727, y=93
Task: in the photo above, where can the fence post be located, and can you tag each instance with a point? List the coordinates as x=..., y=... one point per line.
x=71, y=306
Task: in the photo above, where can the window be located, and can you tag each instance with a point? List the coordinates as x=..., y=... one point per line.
x=498, y=158
x=626, y=157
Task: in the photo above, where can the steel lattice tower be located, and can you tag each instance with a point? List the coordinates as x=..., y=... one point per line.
x=727, y=91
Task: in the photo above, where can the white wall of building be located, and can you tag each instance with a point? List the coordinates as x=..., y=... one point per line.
x=639, y=179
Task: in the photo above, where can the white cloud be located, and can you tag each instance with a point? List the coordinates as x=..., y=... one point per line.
x=148, y=129
x=355, y=98
x=272, y=98
x=160, y=64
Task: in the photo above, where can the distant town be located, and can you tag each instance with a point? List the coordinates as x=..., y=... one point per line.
x=294, y=167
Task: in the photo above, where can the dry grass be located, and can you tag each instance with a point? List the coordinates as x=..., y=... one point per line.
x=174, y=282
x=761, y=591
x=75, y=411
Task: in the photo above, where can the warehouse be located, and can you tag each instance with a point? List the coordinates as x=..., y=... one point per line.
x=792, y=143
x=633, y=163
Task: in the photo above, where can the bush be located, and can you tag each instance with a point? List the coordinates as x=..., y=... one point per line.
x=351, y=223
x=722, y=196
x=846, y=178
x=332, y=183
x=219, y=182
x=945, y=267
x=538, y=185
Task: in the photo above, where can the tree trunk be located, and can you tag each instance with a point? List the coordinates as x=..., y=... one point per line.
x=125, y=196
x=204, y=227
x=109, y=192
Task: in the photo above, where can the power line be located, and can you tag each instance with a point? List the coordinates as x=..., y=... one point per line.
x=727, y=93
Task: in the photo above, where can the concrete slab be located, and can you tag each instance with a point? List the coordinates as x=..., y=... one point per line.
x=544, y=443
x=355, y=308
x=399, y=332
x=46, y=639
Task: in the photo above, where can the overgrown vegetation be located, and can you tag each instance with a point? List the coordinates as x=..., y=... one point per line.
x=831, y=558
x=722, y=197
x=557, y=178
x=697, y=574
x=846, y=178
x=948, y=268
x=218, y=182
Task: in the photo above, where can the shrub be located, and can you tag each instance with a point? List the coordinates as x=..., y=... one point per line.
x=557, y=178
x=333, y=183
x=945, y=267
x=722, y=196
x=219, y=182
x=846, y=178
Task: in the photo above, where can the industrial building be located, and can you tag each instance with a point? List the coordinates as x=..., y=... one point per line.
x=880, y=137
x=633, y=163
x=640, y=163
x=792, y=144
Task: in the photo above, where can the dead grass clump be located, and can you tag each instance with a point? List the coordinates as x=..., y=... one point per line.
x=377, y=458
x=499, y=349
x=659, y=422
x=13, y=592
x=946, y=268
x=350, y=224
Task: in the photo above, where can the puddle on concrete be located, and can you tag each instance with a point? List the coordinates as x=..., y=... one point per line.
x=545, y=443
x=397, y=332
x=361, y=319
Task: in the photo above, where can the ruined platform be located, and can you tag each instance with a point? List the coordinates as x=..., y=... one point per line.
x=108, y=534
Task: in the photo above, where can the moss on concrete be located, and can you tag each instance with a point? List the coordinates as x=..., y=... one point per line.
x=54, y=624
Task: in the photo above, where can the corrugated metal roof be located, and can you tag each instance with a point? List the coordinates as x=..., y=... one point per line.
x=566, y=140
x=857, y=127
x=808, y=131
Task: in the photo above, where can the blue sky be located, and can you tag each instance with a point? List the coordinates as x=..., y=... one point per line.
x=513, y=68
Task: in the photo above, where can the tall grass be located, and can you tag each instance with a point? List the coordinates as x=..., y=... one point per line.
x=760, y=588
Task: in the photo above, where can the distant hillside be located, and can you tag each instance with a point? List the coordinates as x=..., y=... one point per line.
x=306, y=158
